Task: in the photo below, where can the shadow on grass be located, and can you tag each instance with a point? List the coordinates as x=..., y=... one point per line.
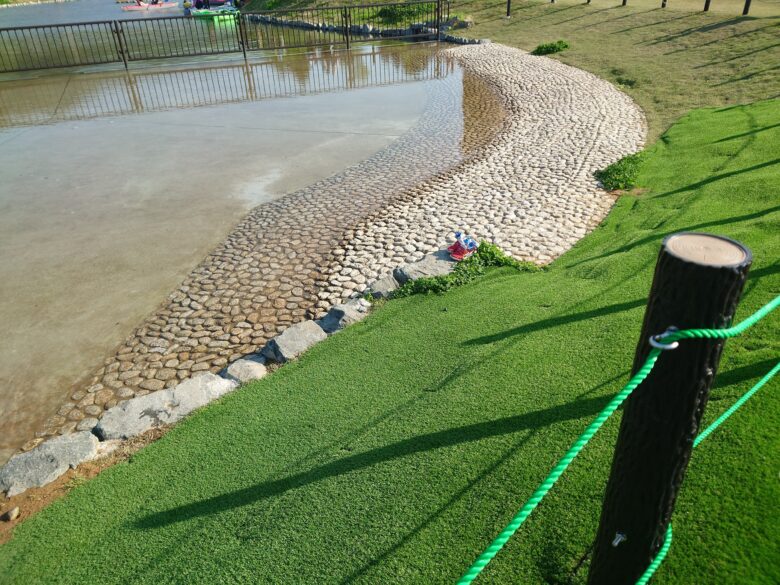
x=749, y=132
x=748, y=76
x=750, y=372
x=656, y=23
x=656, y=237
x=736, y=57
x=422, y=443
x=387, y=553
x=698, y=29
x=721, y=176
x=556, y=322
x=552, y=12
x=722, y=40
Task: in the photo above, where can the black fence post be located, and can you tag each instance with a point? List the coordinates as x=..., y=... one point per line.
x=239, y=21
x=439, y=13
x=746, y=9
x=697, y=284
x=508, y=8
x=116, y=29
x=707, y=5
x=663, y=3
x=345, y=24
x=625, y=2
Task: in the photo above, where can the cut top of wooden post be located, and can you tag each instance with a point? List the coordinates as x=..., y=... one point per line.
x=706, y=249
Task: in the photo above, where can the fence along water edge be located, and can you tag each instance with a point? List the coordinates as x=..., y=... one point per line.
x=27, y=48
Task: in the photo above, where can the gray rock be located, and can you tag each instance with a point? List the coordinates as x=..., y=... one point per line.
x=197, y=392
x=341, y=316
x=143, y=413
x=383, y=288
x=435, y=264
x=293, y=341
x=136, y=416
x=10, y=515
x=87, y=424
x=46, y=462
x=246, y=369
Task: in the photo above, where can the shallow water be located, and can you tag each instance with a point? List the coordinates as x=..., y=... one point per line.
x=75, y=11
x=114, y=185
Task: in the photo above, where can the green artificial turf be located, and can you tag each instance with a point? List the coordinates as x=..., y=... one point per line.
x=395, y=451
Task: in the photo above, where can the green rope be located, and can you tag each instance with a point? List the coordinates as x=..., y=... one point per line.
x=558, y=470
x=745, y=397
x=724, y=333
x=546, y=485
x=703, y=435
x=659, y=558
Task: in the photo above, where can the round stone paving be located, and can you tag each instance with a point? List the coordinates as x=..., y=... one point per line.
x=534, y=131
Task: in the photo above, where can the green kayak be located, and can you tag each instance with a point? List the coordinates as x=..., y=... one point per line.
x=218, y=13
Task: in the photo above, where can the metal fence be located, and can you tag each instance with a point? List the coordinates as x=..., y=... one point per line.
x=50, y=100
x=94, y=43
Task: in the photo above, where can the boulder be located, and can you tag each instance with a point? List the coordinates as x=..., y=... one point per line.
x=87, y=424
x=197, y=392
x=141, y=414
x=383, y=288
x=341, y=316
x=435, y=264
x=46, y=462
x=10, y=515
x=246, y=369
x=136, y=416
x=293, y=341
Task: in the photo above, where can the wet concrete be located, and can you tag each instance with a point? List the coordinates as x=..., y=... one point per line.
x=114, y=186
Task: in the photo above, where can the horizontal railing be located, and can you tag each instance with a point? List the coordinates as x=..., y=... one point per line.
x=93, y=43
x=89, y=96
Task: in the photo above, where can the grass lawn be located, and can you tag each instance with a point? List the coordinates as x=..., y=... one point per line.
x=670, y=61
x=395, y=451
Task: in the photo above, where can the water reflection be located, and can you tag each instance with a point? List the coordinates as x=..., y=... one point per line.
x=81, y=97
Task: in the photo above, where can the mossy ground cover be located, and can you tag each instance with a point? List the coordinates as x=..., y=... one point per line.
x=396, y=450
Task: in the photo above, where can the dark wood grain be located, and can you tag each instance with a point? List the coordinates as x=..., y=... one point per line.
x=661, y=418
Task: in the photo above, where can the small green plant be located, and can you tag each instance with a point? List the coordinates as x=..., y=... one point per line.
x=487, y=255
x=621, y=174
x=398, y=13
x=626, y=82
x=548, y=48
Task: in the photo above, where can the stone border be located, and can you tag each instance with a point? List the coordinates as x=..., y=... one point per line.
x=51, y=459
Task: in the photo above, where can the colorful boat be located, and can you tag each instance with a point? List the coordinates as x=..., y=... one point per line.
x=224, y=12
x=143, y=6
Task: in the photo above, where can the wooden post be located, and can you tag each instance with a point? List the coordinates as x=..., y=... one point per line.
x=663, y=3
x=697, y=284
x=707, y=5
x=746, y=9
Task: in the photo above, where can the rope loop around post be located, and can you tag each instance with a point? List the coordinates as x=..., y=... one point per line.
x=673, y=337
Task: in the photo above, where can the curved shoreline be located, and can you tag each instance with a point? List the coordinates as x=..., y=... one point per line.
x=267, y=273
x=530, y=190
